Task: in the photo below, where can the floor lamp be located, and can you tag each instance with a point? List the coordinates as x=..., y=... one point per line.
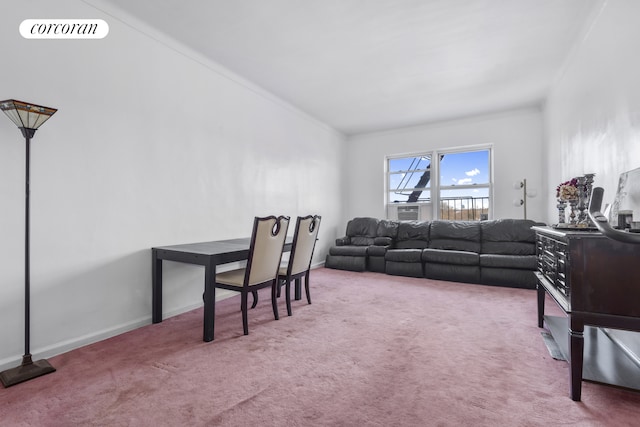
x=28, y=118
x=525, y=193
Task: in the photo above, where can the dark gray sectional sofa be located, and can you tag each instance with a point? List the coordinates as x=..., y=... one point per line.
x=496, y=252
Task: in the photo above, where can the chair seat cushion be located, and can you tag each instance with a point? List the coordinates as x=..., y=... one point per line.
x=450, y=257
x=232, y=277
x=348, y=250
x=404, y=255
x=282, y=271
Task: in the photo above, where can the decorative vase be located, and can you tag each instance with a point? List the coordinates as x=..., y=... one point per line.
x=572, y=215
x=588, y=187
x=582, y=201
x=562, y=204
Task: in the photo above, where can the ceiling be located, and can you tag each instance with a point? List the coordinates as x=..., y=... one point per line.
x=370, y=65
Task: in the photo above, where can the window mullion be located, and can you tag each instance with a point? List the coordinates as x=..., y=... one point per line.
x=435, y=192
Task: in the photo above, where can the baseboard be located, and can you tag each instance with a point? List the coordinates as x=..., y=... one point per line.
x=72, y=344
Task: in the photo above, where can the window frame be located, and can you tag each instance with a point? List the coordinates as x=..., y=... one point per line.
x=435, y=187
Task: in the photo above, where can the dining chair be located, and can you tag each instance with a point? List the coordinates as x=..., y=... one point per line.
x=265, y=254
x=299, y=265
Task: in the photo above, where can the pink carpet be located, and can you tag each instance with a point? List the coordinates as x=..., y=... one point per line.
x=372, y=350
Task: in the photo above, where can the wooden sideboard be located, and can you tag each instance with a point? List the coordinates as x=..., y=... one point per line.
x=596, y=282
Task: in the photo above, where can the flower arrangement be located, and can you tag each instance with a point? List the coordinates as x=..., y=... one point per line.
x=567, y=190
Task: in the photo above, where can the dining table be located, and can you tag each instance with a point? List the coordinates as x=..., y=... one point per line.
x=208, y=254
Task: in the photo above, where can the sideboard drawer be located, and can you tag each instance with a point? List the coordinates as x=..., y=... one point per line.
x=553, y=260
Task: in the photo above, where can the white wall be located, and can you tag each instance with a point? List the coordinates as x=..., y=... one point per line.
x=592, y=115
x=516, y=137
x=152, y=145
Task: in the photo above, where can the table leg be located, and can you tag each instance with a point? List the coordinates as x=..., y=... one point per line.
x=209, y=301
x=541, y=297
x=576, y=352
x=156, y=287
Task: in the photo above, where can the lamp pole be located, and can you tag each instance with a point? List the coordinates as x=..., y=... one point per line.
x=523, y=201
x=26, y=359
x=28, y=117
x=524, y=196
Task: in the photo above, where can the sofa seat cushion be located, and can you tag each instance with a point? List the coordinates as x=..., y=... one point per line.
x=524, y=262
x=508, y=248
x=351, y=263
x=377, y=250
x=349, y=250
x=452, y=273
x=455, y=235
x=404, y=255
x=441, y=256
x=407, y=269
x=411, y=244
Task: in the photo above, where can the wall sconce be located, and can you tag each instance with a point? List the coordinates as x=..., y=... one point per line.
x=525, y=193
x=28, y=118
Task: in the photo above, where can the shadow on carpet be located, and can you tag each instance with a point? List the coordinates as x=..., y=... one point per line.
x=552, y=346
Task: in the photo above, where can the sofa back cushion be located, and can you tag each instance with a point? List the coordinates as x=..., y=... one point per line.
x=362, y=231
x=456, y=235
x=509, y=237
x=387, y=228
x=413, y=235
x=386, y=233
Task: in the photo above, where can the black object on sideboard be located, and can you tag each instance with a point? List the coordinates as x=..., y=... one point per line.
x=495, y=252
x=596, y=282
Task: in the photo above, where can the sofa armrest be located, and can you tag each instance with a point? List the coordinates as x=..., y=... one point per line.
x=343, y=241
x=383, y=241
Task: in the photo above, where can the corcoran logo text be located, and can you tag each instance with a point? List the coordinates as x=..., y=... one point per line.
x=64, y=29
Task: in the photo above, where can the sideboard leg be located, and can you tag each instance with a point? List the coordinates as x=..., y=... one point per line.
x=576, y=351
x=541, y=297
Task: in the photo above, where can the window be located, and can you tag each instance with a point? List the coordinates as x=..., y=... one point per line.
x=408, y=179
x=443, y=184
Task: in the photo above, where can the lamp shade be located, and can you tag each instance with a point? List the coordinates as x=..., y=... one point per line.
x=25, y=115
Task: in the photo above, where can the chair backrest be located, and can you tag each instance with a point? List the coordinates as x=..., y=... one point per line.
x=304, y=241
x=265, y=253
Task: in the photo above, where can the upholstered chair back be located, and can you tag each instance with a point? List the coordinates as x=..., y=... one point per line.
x=305, y=237
x=269, y=235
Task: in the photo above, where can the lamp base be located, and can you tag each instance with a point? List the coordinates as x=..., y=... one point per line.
x=25, y=372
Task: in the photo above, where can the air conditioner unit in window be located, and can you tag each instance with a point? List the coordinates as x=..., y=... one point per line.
x=408, y=213
x=419, y=211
